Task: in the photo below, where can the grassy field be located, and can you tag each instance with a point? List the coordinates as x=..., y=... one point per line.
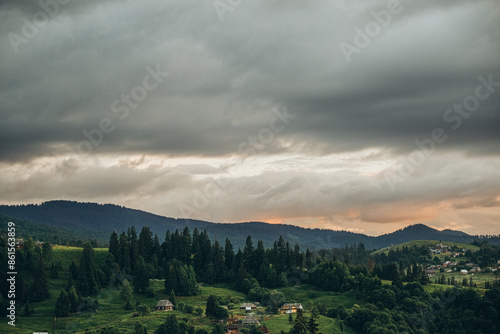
x=478, y=278
x=66, y=254
x=427, y=243
x=305, y=294
x=112, y=313
x=281, y=323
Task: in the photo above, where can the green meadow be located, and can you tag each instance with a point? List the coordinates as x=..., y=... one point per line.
x=112, y=312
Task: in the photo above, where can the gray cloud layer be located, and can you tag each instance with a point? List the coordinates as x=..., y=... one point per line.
x=223, y=74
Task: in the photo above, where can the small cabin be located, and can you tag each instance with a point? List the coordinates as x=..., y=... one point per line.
x=250, y=320
x=248, y=307
x=164, y=305
x=291, y=308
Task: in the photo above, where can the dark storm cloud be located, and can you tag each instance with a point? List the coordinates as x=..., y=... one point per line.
x=226, y=76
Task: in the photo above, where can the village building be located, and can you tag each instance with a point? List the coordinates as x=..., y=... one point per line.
x=232, y=326
x=431, y=272
x=164, y=305
x=248, y=307
x=250, y=320
x=463, y=271
x=19, y=243
x=291, y=308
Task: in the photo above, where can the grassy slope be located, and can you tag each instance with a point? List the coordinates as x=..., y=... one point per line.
x=112, y=313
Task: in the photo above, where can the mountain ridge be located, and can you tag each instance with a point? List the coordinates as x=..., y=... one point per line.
x=104, y=218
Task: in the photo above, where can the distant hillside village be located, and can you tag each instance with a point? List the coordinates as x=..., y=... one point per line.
x=451, y=259
x=236, y=322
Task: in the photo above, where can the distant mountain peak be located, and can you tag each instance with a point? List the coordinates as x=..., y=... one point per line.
x=419, y=227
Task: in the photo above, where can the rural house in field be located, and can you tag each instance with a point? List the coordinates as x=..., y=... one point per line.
x=291, y=308
x=248, y=307
x=250, y=320
x=232, y=326
x=164, y=305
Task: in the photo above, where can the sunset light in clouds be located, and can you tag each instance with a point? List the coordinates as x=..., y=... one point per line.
x=261, y=114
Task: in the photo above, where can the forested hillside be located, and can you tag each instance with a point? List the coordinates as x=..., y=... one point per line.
x=346, y=289
x=91, y=220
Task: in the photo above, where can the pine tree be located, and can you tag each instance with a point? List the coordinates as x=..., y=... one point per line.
x=229, y=255
x=171, y=326
x=142, y=275
x=300, y=323
x=47, y=252
x=217, y=261
x=39, y=288
x=87, y=278
x=126, y=292
x=214, y=311
x=134, y=249
x=113, y=244
x=63, y=305
x=123, y=257
x=313, y=325
x=172, y=298
x=248, y=255
x=146, y=243
x=73, y=299
x=212, y=306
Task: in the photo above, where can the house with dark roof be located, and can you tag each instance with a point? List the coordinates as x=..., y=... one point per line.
x=250, y=320
x=248, y=307
x=291, y=308
x=164, y=305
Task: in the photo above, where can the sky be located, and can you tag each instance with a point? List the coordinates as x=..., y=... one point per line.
x=366, y=116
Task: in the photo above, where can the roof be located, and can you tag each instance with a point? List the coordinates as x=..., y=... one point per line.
x=164, y=302
x=245, y=305
x=250, y=320
x=292, y=305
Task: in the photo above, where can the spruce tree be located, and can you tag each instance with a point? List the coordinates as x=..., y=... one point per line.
x=146, y=243
x=142, y=275
x=126, y=292
x=212, y=306
x=73, y=299
x=87, y=280
x=113, y=244
x=300, y=323
x=313, y=325
x=134, y=249
x=172, y=299
x=63, y=305
x=171, y=326
x=39, y=288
